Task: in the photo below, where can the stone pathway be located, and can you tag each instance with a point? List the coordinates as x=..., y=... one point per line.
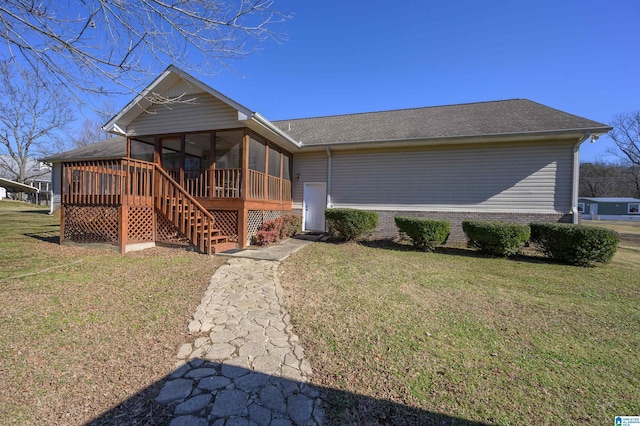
x=246, y=367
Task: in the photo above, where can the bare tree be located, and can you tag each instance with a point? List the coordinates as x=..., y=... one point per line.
x=32, y=123
x=91, y=129
x=88, y=45
x=608, y=179
x=626, y=136
x=597, y=179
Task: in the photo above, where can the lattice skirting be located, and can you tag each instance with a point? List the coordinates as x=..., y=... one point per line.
x=91, y=224
x=168, y=232
x=257, y=217
x=227, y=223
x=140, y=227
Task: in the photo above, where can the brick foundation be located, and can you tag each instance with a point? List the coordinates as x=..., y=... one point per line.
x=387, y=227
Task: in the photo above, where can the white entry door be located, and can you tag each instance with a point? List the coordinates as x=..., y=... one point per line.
x=315, y=200
x=593, y=210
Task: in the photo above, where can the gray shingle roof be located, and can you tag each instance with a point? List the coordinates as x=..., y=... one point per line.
x=111, y=148
x=516, y=116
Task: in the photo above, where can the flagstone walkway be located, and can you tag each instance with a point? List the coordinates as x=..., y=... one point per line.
x=245, y=365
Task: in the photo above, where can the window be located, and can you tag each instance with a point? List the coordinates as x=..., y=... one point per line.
x=634, y=208
x=580, y=207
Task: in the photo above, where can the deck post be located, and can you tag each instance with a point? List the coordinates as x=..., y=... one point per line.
x=62, y=212
x=243, y=218
x=123, y=226
x=62, y=200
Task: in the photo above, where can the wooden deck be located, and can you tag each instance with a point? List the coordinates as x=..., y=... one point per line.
x=209, y=208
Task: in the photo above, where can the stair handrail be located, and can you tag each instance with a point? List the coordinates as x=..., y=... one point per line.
x=189, y=229
x=185, y=193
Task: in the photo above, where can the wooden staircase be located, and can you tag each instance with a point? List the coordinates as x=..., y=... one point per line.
x=187, y=215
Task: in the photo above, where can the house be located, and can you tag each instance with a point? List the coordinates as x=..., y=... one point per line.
x=38, y=176
x=209, y=170
x=8, y=186
x=596, y=208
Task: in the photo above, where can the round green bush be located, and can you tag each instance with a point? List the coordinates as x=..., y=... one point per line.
x=575, y=244
x=350, y=224
x=424, y=234
x=496, y=238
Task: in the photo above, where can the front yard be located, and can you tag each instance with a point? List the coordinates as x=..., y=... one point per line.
x=405, y=337
x=83, y=330
x=400, y=337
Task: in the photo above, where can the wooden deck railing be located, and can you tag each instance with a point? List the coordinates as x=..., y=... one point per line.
x=108, y=182
x=127, y=181
x=227, y=183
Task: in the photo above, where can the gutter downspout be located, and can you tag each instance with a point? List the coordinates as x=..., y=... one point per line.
x=328, y=177
x=576, y=177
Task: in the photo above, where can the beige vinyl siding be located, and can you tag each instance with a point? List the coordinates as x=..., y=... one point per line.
x=312, y=167
x=508, y=178
x=204, y=113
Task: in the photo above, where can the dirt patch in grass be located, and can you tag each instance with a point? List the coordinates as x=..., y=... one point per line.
x=79, y=340
x=424, y=338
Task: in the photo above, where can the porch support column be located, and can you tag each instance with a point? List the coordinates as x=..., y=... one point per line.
x=182, y=157
x=157, y=150
x=212, y=165
x=243, y=213
x=265, y=194
x=245, y=165
x=280, y=181
x=128, y=148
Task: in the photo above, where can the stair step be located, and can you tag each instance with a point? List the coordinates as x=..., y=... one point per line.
x=227, y=245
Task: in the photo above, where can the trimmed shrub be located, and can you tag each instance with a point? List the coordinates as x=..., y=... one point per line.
x=424, y=234
x=350, y=224
x=291, y=225
x=272, y=231
x=575, y=244
x=269, y=232
x=496, y=238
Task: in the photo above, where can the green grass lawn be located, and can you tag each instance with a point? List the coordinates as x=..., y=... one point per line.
x=82, y=330
x=451, y=333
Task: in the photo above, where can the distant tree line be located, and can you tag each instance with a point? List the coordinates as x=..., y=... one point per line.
x=621, y=179
x=605, y=179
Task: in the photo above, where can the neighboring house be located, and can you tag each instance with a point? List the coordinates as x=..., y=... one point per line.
x=9, y=186
x=210, y=170
x=611, y=208
x=38, y=176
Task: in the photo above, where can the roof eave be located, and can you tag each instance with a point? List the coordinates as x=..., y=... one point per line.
x=257, y=123
x=457, y=140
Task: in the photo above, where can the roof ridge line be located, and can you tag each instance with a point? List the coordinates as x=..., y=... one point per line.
x=402, y=109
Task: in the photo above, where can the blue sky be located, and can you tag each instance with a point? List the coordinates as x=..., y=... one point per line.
x=352, y=56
